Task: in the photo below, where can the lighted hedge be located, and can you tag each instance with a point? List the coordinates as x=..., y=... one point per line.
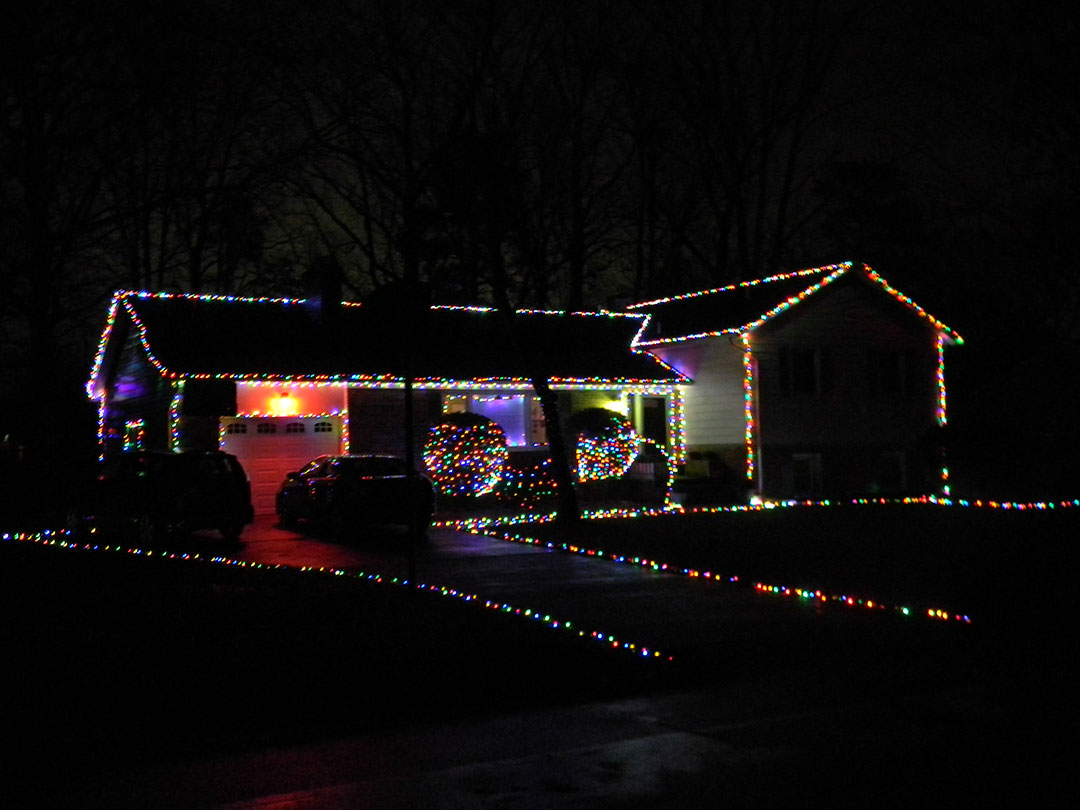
x=606, y=444
x=466, y=454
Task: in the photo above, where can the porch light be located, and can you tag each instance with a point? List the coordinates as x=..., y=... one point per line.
x=284, y=404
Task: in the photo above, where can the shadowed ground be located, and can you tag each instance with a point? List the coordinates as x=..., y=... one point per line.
x=141, y=682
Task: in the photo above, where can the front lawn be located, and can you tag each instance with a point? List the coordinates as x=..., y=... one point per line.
x=992, y=563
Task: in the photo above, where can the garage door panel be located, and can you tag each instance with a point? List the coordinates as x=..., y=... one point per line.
x=270, y=447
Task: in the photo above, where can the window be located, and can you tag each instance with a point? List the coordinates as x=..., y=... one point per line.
x=266, y=427
x=294, y=427
x=508, y=412
x=519, y=415
x=805, y=370
x=236, y=427
x=889, y=371
x=316, y=468
x=323, y=427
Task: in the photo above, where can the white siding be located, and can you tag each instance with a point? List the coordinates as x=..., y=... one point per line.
x=714, y=403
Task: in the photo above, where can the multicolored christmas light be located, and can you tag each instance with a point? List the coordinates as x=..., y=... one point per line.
x=64, y=540
x=824, y=276
x=605, y=449
x=134, y=434
x=749, y=405
x=124, y=303
x=491, y=528
x=466, y=454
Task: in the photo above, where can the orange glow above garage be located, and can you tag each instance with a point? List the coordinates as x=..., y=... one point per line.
x=310, y=399
x=284, y=404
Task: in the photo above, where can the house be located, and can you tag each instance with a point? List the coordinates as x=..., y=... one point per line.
x=821, y=382
x=279, y=381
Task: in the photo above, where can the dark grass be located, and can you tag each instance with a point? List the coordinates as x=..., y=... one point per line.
x=1001, y=567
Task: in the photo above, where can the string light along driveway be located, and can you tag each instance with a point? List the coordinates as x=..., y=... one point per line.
x=714, y=624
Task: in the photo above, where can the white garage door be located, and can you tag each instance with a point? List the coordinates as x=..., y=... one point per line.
x=270, y=447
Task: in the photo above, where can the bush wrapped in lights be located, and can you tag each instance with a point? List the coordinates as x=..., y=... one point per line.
x=466, y=454
x=528, y=483
x=606, y=444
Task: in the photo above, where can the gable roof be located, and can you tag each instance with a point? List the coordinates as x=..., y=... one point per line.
x=211, y=336
x=745, y=306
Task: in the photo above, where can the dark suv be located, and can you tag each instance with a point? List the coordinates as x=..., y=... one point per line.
x=153, y=493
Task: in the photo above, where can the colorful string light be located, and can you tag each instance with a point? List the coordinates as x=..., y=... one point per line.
x=466, y=454
x=606, y=447
x=60, y=539
x=824, y=276
x=123, y=302
x=749, y=405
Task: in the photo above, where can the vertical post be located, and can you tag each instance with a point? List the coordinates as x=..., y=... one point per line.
x=410, y=474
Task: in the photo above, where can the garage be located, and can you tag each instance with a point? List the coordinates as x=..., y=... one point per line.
x=271, y=446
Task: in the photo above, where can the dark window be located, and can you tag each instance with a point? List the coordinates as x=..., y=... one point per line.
x=294, y=427
x=805, y=370
x=236, y=427
x=266, y=427
x=889, y=371
x=323, y=427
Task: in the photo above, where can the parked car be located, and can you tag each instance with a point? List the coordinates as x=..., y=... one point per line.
x=149, y=494
x=348, y=491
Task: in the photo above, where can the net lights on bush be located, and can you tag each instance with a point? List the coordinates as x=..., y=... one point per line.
x=606, y=444
x=529, y=487
x=62, y=539
x=466, y=454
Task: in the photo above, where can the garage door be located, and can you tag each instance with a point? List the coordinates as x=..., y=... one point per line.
x=270, y=447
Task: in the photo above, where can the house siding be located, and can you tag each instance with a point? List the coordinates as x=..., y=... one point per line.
x=838, y=416
x=713, y=404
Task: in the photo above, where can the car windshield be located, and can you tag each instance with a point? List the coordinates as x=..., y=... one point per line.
x=368, y=466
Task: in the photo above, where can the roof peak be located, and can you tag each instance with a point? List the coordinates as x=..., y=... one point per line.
x=810, y=271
